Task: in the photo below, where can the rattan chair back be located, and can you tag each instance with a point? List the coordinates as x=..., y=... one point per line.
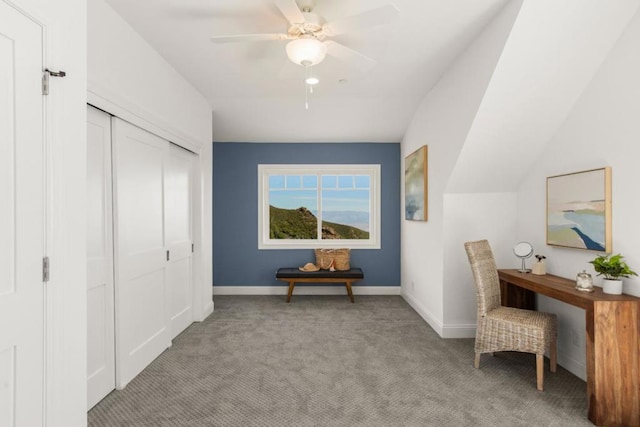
x=485, y=274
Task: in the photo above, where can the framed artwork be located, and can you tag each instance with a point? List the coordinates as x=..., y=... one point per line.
x=579, y=210
x=415, y=185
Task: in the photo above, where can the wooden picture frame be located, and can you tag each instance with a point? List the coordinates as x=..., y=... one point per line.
x=415, y=185
x=579, y=210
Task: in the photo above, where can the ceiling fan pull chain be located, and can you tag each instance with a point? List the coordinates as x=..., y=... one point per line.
x=307, y=87
x=306, y=97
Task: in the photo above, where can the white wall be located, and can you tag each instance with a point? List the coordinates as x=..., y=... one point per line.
x=128, y=78
x=553, y=51
x=442, y=122
x=126, y=72
x=540, y=75
x=520, y=119
x=602, y=130
x=469, y=217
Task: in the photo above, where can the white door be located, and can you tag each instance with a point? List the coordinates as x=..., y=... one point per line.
x=21, y=221
x=101, y=375
x=142, y=327
x=178, y=214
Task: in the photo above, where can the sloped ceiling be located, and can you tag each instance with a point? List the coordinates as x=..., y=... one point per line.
x=257, y=95
x=553, y=52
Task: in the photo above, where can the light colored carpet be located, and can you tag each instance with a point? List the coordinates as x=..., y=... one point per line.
x=321, y=361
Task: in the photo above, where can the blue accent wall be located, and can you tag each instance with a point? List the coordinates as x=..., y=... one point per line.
x=236, y=258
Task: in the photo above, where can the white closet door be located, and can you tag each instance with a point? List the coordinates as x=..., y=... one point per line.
x=178, y=214
x=142, y=327
x=101, y=375
x=22, y=219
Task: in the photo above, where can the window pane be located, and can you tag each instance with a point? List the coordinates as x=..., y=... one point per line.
x=276, y=181
x=345, y=214
x=292, y=214
x=345, y=181
x=329, y=181
x=362, y=181
x=313, y=206
x=309, y=181
x=294, y=181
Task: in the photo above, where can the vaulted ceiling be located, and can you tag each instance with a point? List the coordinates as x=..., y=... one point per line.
x=258, y=95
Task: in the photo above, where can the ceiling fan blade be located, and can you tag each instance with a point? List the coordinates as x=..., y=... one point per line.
x=248, y=38
x=350, y=56
x=368, y=19
x=291, y=11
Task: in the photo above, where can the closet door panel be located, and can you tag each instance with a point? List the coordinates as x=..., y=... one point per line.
x=22, y=220
x=100, y=303
x=142, y=327
x=178, y=223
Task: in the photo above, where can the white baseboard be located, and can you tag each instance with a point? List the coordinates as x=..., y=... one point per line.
x=435, y=324
x=459, y=330
x=572, y=365
x=305, y=290
x=462, y=330
x=208, y=310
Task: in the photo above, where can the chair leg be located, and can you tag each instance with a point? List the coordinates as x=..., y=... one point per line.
x=540, y=371
x=476, y=363
x=553, y=355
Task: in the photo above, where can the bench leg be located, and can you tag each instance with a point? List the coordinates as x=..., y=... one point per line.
x=349, y=291
x=292, y=284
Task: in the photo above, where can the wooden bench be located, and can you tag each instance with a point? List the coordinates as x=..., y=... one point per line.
x=294, y=275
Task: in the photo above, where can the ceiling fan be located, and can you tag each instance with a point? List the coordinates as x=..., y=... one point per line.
x=308, y=33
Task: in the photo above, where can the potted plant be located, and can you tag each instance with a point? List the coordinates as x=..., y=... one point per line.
x=612, y=267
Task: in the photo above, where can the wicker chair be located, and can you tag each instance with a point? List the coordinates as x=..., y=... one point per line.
x=506, y=328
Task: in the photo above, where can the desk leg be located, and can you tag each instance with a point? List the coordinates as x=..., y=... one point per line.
x=592, y=408
x=349, y=292
x=613, y=365
x=292, y=284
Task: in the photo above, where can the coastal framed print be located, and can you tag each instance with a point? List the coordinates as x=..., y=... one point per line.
x=415, y=185
x=579, y=210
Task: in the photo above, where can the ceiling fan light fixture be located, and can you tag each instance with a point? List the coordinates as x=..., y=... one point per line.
x=306, y=51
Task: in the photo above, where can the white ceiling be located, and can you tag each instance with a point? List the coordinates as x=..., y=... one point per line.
x=258, y=95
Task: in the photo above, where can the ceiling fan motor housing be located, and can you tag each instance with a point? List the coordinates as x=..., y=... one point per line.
x=312, y=26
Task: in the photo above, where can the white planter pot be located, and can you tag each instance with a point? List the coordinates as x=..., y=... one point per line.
x=612, y=286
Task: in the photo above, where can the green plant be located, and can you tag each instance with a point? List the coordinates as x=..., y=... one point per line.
x=612, y=267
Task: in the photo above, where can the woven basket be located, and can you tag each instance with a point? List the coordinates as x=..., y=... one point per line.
x=339, y=258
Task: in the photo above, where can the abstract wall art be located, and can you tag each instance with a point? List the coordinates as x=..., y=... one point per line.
x=579, y=210
x=415, y=185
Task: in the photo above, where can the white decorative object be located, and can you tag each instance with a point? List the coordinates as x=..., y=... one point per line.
x=613, y=287
x=539, y=268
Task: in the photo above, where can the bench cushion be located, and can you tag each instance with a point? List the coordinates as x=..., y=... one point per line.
x=295, y=273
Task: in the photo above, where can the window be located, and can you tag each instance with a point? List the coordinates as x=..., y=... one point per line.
x=318, y=206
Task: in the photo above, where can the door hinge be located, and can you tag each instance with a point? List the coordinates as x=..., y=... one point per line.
x=167, y=255
x=45, y=269
x=45, y=79
x=193, y=248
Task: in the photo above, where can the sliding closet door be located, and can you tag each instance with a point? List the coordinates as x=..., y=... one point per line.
x=142, y=329
x=101, y=376
x=178, y=214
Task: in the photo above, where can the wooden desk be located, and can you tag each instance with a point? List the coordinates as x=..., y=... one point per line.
x=613, y=341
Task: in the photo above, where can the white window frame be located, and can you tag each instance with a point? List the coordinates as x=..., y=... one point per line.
x=265, y=170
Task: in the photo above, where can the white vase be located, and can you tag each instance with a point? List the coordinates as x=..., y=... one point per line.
x=610, y=286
